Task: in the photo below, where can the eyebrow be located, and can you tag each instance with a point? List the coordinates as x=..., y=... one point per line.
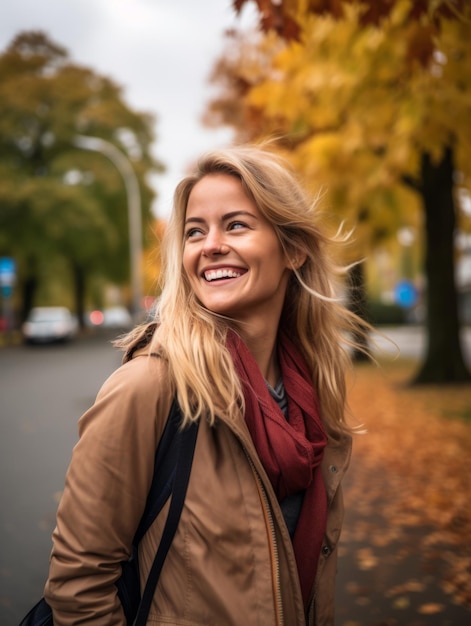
x=225, y=217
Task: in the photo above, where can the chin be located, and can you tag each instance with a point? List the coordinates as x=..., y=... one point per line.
x=221, y=309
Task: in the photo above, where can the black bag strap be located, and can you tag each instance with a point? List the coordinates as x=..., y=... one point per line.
x=164, y=471
x=186, y=448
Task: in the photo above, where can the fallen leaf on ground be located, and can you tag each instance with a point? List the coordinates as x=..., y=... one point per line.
x=431, y=608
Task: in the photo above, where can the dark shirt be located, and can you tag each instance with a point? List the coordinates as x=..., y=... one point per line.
x=291, y=506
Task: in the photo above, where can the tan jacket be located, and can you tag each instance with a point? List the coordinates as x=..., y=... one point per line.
x=231, y=562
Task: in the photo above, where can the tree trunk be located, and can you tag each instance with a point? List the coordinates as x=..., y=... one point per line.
x=28, y=289
x=79, y=292
x=443, y=361
x=358, y=305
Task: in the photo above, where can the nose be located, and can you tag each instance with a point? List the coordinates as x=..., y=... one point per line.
x=214, y=244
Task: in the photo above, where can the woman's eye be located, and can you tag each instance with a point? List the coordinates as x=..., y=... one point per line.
x=236, y=225
x=193, y=232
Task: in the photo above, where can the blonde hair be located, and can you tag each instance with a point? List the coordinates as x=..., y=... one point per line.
x=192, y=338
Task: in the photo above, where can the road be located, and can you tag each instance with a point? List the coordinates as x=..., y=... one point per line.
x=43, y=390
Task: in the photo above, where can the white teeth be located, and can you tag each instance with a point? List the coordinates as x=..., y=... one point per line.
x=216, y=274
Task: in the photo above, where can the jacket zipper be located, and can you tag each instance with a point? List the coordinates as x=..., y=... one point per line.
x=311, y=610
x=275, y=558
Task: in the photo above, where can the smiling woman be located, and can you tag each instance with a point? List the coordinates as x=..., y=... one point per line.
x=250, y=339
x=232, y=256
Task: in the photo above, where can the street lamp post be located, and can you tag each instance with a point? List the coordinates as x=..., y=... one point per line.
x=124, y=167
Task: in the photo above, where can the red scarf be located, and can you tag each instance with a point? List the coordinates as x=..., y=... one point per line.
x=290, y=450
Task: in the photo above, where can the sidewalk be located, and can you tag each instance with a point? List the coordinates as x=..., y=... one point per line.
x=411, y=340
x=405, y=554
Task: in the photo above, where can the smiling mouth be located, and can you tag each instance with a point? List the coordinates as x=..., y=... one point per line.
x=211, y=275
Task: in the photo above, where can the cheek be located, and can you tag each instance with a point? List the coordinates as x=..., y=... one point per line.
x=276, y=256
x=188, y=278
x=187, y=262
x=190, y=270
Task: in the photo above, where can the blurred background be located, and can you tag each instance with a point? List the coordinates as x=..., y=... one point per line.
x=105, y=104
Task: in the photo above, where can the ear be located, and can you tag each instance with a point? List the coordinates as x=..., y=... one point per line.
x=297, y=261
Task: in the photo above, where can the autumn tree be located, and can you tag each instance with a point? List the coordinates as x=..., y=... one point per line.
x=362, y=94
x=59, y=203
x=152, y=258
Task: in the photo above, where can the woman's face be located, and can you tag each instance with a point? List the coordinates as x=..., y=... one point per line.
x=232, y=255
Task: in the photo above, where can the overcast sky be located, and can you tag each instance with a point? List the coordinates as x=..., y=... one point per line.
x=160, y=51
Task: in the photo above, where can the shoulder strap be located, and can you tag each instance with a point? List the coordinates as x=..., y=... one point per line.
x=164, y=471
x=186, y=448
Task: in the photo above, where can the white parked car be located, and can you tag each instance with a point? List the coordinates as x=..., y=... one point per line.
x=46, y=324
x=117, y=317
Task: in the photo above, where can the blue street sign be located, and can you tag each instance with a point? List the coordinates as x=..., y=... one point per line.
x=7, y=271
x=405, y=294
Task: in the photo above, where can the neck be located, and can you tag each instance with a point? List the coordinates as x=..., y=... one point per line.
x=263, y=346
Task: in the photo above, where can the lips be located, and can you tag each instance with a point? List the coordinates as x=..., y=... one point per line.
x=221, y=273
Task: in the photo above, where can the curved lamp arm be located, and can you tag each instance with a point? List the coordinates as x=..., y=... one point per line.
x=124, y=167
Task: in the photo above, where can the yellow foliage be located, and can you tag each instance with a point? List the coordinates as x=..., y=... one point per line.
x=151, y=261
x=362, y=109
